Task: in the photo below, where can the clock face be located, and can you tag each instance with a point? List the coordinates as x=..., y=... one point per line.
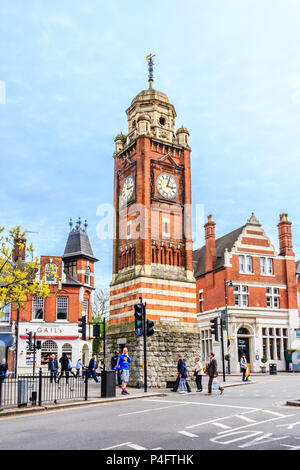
x=127, y=189
x=166, y=186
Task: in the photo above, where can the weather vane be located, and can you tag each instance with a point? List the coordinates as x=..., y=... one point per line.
x=151, y=64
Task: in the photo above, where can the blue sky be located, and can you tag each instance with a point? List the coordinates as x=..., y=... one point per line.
x=71, y=68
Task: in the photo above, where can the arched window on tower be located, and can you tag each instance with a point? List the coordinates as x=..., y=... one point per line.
x=87, y=276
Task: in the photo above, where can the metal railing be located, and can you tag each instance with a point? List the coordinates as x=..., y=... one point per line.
x=42, y=388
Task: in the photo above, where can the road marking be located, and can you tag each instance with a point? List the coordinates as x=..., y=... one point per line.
x=262, y=440
x=220, y=419
x=289, y=426
x=246, y=418
x=256, y=423
x=152, y=409
x=118, y=445
x=206, y=404
x=188, y=434
x=224, y=426
x=137, y=447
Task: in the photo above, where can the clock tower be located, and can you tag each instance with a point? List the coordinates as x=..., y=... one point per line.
x=152, y=249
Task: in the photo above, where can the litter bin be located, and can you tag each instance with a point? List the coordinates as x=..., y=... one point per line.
x=108, y=383
x=22, y=392
x=273, y=369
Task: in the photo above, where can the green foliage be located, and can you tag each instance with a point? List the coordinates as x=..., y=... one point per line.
x=264, y=359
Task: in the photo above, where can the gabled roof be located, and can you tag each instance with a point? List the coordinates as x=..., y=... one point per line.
x=227, y=241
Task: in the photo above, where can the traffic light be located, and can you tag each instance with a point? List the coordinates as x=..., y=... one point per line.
x=82, y=327
x=138, y=319
x=214, y=328
x=223, y=319
x=29, y=340
x=150, y=328
x=96, y=331
x=39, y=344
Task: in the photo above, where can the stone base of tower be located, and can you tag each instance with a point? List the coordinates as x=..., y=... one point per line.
x=169, y=339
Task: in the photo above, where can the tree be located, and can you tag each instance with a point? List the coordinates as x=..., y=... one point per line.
x=18, y=269
x=100, y=311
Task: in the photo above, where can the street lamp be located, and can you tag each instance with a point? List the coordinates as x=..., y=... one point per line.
x=227, y=284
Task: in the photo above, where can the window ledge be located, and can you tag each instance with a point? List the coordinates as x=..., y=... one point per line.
x=246, y=274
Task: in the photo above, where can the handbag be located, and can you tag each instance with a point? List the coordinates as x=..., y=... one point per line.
x=195, y=373
x=215, y=384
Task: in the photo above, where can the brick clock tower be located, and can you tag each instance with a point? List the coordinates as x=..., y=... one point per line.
x=152, y=250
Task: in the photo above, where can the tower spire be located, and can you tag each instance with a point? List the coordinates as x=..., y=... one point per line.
x=150, y=62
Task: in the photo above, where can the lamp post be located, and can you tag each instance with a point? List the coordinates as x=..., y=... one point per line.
x=227, y=284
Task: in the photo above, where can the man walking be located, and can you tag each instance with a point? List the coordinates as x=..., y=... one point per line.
x=123, y=365
x=64, y=363
x=53, y=367
x=92, y=368
x=212, y=371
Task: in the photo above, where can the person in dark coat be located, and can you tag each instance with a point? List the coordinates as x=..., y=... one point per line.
x=53, y=367
x=3, y=370
x=113, y=364
x=178, y=357
x=212, y=371
x=64, y=366
x=92, y=368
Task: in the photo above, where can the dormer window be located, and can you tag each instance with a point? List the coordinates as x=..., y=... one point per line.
x=51, y=273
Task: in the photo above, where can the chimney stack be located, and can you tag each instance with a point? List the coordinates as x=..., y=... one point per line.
x=19, y=251
x=285, y=236
x=210, y=244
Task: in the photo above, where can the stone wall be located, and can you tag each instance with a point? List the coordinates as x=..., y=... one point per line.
x=169, y=339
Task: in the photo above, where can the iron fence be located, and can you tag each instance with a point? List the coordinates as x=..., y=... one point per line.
x=42, y=388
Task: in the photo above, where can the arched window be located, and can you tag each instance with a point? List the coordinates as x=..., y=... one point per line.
x=243, y=331
x=87, y=276
x=153, y=254
x=50, y=273
x=48, y=347
x=67, y=349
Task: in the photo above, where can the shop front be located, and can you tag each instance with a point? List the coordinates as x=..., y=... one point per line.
x=55, y=339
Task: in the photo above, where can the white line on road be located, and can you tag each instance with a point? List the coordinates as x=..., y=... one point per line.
x=152, y=409
x=246, y=418
x=118, y=445
x=256, y=423
x=188, y=434
x=137, y=447
x=220, y=419
x=224, y=426
x=206, y=404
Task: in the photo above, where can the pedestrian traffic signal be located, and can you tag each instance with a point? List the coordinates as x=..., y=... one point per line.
x=150, y=328
x=214, y=328
x=138, y=319
x=82, y=327
x=29, y=340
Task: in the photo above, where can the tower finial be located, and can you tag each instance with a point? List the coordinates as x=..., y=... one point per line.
x=150, y=61
x=71, y=224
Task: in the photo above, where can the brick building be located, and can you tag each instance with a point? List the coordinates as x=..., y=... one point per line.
x=152, y=251
x=55, y=318
x=262, y=304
